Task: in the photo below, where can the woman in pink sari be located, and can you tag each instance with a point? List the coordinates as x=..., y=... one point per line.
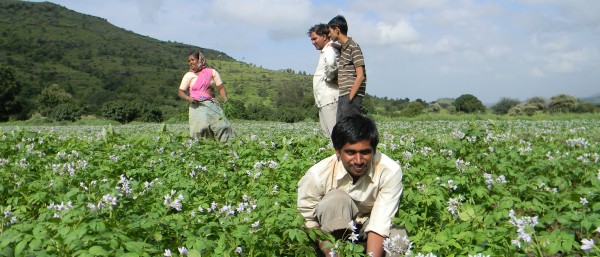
x=206, y=117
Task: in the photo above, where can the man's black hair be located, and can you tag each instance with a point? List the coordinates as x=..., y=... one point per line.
x=340, y=23
x=319, y=29
x=352, y=129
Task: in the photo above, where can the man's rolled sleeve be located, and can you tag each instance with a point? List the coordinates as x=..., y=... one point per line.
x=308, y=198
x=387, y=202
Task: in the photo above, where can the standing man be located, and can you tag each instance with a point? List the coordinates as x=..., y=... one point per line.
x=352, y=76
x=324, y=86
x=356, y=184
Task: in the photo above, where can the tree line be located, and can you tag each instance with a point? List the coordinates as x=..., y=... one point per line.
x=290, y=103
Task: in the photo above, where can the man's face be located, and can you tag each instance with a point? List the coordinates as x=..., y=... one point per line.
x=318, y=41
x=356, y=157
x=334, y=33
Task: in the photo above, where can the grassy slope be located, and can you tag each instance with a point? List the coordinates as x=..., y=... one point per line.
x=97, y=62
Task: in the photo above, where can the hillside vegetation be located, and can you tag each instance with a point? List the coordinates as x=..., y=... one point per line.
x=96, y=62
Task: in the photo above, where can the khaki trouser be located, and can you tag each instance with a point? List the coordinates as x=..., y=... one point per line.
x=337, y=209
x=207, y=120
x=327, y=117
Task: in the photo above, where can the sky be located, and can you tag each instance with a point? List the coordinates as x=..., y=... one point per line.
x=416, y=49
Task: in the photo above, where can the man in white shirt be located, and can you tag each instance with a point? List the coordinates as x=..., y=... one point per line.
x=357, y=184
x=325, y=86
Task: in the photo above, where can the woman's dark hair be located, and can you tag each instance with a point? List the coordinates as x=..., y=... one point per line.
x=319, y=29
x=195, y=53
x=352, y=129
x=340, y=23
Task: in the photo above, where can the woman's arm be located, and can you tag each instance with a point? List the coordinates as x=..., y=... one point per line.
x=222, y=92
x=184, y=96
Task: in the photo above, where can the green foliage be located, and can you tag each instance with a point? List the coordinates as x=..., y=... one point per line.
x=524, y=109
x=562, y=103
x=413, y=109
x=538, y=102
x=468, y=103
x=9, y=90
x=66, y=112
x=504, y=105
x=51, y=97
x=115, y=191
x=127, y=111
x=584, y=107
x=235, y=109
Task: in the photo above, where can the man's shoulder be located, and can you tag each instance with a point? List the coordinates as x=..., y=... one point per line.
x=324, y=166
x=385, y=162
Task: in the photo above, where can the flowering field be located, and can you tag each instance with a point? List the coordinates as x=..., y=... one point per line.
x=484, y=188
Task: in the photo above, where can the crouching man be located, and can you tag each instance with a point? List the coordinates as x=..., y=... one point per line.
x=357, y=184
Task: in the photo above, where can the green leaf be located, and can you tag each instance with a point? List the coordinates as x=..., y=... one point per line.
x=137, y=247
x=467, y=214
x=193, y=253
x=20, y=247
x=98, y=250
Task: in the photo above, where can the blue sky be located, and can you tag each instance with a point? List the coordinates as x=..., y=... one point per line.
x=427, y=49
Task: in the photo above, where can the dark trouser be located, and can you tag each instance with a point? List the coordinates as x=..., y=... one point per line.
x=347, y=107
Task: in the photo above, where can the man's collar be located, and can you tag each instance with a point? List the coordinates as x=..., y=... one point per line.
x=341, y=171
x=347, y=43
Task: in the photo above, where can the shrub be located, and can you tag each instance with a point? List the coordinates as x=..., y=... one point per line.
x=504, y=105
x=468, y=103
x=51, y=97
x=127, y=111
x=413, y=109
x=66, y=112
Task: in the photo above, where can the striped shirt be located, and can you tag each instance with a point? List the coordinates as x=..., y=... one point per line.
x=351, y=57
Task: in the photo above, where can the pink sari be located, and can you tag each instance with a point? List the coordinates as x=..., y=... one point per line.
x=200, y=88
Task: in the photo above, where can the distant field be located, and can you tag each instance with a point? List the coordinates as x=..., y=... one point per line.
x=471, y=188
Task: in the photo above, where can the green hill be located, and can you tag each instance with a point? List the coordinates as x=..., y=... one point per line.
x=96, y=62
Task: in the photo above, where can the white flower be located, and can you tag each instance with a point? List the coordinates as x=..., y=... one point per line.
x=256, y=224
x=167, y=252
x=397, y=245
x=352, y=225
x=587, y=244
x=182, y=250
x=353, y=237
x=598, y=230
x=583, y=200
x=238, y=250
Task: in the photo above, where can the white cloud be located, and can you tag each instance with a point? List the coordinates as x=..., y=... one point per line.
x=399, y=33
x=263, y=13
x=498, y=50
x=550, y=42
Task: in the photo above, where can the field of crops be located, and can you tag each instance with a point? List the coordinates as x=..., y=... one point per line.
x=479, y=188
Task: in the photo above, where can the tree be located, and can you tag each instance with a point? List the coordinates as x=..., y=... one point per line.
x=468, y=103
x=126, y=111
x=9, y=90
x=51, y=97
x=538, y=102
x=562, y=103
x=413, y=109
x=504, y=105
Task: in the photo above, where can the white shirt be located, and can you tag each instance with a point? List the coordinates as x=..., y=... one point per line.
x=326, y=92
x=376, y=194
